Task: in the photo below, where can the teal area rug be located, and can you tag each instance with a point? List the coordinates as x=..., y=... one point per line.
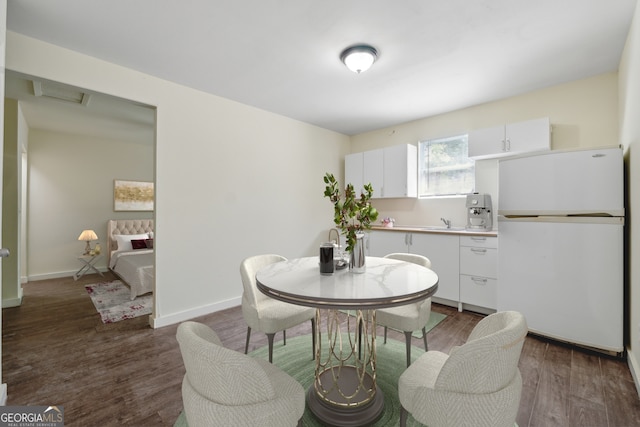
x=434, y=319
x=295, y=359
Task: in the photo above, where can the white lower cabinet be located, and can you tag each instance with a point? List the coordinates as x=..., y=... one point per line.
x=441, y=249
x=479, y=271
x=443, y=252
x=467, y=266
x=381, y=243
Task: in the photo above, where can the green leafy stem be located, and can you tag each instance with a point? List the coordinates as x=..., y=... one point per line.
x=352, y=214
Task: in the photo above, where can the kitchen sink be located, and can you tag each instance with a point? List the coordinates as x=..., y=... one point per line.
x=442, y=228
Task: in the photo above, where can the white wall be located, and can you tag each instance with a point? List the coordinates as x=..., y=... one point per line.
x=231, y=180
x=583, y=114
x=11, y=289
x=630, y=137
x=71, y=189
x=3, y=29
x=23, y=147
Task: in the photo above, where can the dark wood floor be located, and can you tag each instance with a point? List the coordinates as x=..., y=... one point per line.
x=56, y=351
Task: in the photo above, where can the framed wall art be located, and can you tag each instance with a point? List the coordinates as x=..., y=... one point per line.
x=132, y=195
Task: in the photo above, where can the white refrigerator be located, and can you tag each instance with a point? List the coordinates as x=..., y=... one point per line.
x=561, y=244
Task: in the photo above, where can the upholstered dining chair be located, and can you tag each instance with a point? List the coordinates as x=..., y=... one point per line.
x=266, y=314
x=477, y=384
x=407, y=318
x=225, y=388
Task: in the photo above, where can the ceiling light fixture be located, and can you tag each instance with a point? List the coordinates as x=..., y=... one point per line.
x=359, y=58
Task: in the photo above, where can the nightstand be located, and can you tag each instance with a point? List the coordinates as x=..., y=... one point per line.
x=88, y=264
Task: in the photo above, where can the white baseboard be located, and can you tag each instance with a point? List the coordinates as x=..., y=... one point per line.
x=446, y=302
x=634, y=368
x=3, y=395
x=36, y=277
x=12, y=302
x=57, y=275
x=172, y=319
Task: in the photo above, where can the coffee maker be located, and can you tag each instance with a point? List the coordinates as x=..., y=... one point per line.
x=479, y=216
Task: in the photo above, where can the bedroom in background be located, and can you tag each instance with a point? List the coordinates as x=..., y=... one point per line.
x=72, y=165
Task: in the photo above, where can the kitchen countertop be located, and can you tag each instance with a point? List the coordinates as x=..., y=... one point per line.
x=436, y=229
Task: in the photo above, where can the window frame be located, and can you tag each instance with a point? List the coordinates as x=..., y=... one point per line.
x=469, y=163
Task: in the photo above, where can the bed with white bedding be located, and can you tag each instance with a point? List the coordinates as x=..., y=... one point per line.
x=130, y=252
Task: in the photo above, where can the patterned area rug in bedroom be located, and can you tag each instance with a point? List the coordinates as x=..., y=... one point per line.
x=113, y=301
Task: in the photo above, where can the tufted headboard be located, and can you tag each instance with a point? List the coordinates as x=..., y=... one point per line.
x=125, y=226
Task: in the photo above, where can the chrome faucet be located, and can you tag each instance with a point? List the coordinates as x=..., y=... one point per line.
x=337, y=241
x=447, y=222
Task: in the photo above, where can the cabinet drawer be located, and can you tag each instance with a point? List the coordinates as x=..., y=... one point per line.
x=476, y=261
x=478, y=290
x=479, y=241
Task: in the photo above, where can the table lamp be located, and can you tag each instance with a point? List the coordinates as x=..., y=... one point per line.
x=88, y=236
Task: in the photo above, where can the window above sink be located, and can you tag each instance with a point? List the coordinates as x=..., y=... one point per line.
x=444, y=168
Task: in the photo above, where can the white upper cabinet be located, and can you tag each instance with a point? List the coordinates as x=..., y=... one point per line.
x=400, y=171
x=392, y=171
x=511, y=139
x=353, y=171
x=373, y=170
x=532, y=135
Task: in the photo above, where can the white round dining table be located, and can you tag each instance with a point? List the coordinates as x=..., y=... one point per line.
x=344, y=391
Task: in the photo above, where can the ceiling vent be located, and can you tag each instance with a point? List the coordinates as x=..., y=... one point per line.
x=60, y=93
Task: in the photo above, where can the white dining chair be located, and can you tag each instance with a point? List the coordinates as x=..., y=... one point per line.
x=477, y=384
x=268, y=315
x=222, y=387
x=410, y=317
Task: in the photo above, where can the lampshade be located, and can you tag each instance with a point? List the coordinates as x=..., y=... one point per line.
x=359, y=58
x=88, y=235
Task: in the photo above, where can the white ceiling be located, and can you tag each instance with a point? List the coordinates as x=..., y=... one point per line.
x=283, y=56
